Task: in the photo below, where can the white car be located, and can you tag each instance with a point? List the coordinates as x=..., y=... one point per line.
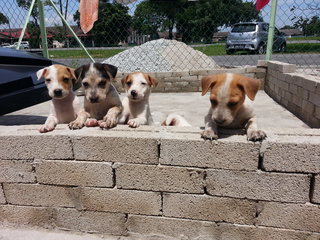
x=24, y=45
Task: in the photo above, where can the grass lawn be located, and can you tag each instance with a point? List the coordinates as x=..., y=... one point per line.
x=210, y=50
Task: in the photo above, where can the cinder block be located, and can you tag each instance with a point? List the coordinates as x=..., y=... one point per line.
x=292, y=154
x=22, y=215
x=262, y=63
x=192, y=229
x=314, y=98
x=171, y=79
x=302, y=93
x=293, y=88
x=316, y=191
x=203, y=207
x=121, y=201
x=259, y=185
x=308, y=107
x=16, y=171
x=35, y=146
x=287, y=68
x=261, y=75
x=87, y=221
x=180, y=84
x=180, y=74
x=234, y=152
x=73, y=173
x=159, y=178
x=190, y=78
x=116, y=149
x=309, y=84
x=163, y=74
x=317, y=112
x=38, y=195
x=304, y=217
x=202, y=72
x=2, y=198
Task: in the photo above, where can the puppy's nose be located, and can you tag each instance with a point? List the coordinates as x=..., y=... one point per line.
x=94, y=100
x=57, y=92
x=134, y=93
x=219, y=120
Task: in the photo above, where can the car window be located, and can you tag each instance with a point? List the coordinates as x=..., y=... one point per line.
x=244, y=28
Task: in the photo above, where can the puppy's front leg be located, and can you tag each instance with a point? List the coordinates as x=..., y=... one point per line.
x=49, y=125
x=253, y=133
x=210, y=130
x=111, y=118
x=136, y=122
x=80, y=120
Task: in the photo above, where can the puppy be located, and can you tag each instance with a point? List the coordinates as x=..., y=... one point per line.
x=231, y=105
x=65, y=105
x=136, y=110
x=175, y=120
x=101, y=101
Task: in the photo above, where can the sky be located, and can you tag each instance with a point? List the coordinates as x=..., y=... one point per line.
x=303, y=8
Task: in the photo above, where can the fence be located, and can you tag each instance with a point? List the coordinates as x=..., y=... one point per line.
x=122, y=30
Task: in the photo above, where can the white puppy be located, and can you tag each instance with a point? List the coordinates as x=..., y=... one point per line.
x=175, y=120
x=65, y=105
x=136, y=110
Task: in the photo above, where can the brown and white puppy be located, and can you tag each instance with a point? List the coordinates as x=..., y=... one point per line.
x=65, y=105
x=231, y=105
x=136, y=109
x=102, y=104
x=175, y=120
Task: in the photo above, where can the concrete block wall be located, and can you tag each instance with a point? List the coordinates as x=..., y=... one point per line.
x=162, y=181
x=299, y=93
x=190, y=81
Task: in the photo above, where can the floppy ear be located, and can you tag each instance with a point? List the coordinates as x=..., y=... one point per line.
x=208, y=82
x=249, y=85
x=78, y=72
x=110, y=69
x=152, y=81
x=41, y=72
x=124, y=80
x=76, y=83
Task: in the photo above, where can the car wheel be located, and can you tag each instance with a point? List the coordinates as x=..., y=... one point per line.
x=261, y=49
x=230, y=52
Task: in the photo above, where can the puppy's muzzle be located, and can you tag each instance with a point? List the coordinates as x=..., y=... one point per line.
x=219, y=121
x=57, y=92
x=94, y=100
x=134, y=93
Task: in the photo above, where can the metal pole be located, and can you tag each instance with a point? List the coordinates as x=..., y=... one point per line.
x=271, y=29
x=25, y=24
x=44, y=41
x=70, y=29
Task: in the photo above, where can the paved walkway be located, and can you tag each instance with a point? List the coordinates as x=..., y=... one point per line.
x=190, y=105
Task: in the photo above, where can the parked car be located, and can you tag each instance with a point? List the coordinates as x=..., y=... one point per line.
x=23, y=45
x=19, y=86
x=253, y=37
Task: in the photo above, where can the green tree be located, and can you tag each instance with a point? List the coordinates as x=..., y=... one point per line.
x=112, y=26
x=34, y=32
x=26, y=5
x=3, y=19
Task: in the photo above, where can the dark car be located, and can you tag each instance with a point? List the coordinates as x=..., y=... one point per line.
x=19, y=87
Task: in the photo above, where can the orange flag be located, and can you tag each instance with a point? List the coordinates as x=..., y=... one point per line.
x=261, y=4
x=88, y=14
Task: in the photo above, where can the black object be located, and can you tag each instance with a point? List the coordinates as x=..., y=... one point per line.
x=19, y=87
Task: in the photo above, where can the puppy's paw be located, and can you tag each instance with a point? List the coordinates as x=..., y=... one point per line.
x=134, y=123
x=46, y=128
x=256, y=135
x=209, y=134
x=91, y=122
x=75, y=125
x=108, y=122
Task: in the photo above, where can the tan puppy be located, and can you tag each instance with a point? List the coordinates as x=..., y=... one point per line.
x=231, y=105
x=102, y=104
x=136, y=109
x=65, y=105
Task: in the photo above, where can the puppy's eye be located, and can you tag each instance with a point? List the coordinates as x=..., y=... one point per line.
x=232, y=104
x=85, y=84
x=129, y=84
x=102, y=84
x=143, y=83
x=48, y=80
x=213, y=101
x=66, y=80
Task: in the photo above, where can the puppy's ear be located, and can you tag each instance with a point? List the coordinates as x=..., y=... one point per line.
x=124, y=80
x=152, y=81
x=42, y=72
x=110, y=69
x=249, y=85
x=208, y=82
x=76, y=83
x=78, y=72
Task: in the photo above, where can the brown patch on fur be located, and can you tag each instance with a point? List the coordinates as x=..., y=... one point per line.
x=126, y=79
x=213, y=82
x=63, y=73
x=249, y=85
x=151, y=81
